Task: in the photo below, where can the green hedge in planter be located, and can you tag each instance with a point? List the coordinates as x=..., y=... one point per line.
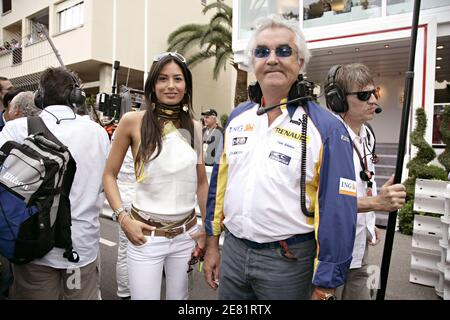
x=223, y=120
x=444, y=158
x=406, y=218
x=418, y=168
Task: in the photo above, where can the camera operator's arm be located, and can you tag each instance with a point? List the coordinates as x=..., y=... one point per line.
x=391, y=197
x=122, y=140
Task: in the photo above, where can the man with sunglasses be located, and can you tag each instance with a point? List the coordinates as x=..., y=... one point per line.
x=287, y=207
x=351, y=94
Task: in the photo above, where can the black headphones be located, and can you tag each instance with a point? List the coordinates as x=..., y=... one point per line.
x=334, y=95
x=76, y=97
x=300, y=88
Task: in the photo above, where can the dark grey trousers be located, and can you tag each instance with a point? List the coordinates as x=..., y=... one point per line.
x=264, y=274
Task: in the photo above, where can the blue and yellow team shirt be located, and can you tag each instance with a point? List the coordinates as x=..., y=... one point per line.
x=255, y=188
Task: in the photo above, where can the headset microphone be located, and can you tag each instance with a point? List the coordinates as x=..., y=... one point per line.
x=301, y=90
x=262, y=110
x=378, y=109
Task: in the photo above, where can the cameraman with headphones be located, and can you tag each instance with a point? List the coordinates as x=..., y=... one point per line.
x=53, y=277
x=350, y=93
x=288, y=208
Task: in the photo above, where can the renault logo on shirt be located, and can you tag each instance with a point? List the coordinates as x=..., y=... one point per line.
x=290, y=134
x=249, y=127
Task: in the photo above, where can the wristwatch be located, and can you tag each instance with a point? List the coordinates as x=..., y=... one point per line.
x=116, y=213
x=324, y=295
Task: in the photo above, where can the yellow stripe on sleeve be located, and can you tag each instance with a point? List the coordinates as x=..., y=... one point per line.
x=317, y=209
x=221, y=187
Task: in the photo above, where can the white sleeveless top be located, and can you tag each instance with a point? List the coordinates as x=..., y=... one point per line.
x=168, y=184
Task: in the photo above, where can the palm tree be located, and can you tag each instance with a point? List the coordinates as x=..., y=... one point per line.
x=213, y=40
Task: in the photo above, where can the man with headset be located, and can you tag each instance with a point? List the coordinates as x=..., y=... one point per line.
x=52, y=276
x=350, y=93
x=288, y=208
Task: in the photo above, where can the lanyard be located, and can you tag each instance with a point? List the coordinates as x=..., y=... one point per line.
x=363, y=161
x=208, y=135
x=365, y=174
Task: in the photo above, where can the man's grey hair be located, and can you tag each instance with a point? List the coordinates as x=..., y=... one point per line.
x=276, y=21
x=25, y=102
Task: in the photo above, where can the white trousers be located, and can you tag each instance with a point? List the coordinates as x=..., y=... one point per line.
x=146, y=262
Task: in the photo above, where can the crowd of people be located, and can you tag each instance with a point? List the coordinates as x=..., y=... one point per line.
x=292, y=187
x=9, y=46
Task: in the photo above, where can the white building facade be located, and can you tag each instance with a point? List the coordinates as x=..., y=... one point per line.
x=90, y=34
x=376, y=33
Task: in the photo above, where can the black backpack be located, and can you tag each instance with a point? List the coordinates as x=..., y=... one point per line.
x=35, y=181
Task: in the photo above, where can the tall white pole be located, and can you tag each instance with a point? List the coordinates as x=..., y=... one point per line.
x=145, y=41
x=383, y=8
x=114, y=40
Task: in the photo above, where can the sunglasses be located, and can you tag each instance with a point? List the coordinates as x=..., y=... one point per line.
x=195, y=259
x=162, y=55
x=364, y=95
x=282, y=51
x=192, y=262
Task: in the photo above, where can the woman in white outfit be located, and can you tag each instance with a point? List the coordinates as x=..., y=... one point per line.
x=167, y=150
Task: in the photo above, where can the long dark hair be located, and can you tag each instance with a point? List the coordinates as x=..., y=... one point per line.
x=151, y=126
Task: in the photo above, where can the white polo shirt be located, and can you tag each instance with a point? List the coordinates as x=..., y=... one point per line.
x=365, y=223
x=88, y=143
